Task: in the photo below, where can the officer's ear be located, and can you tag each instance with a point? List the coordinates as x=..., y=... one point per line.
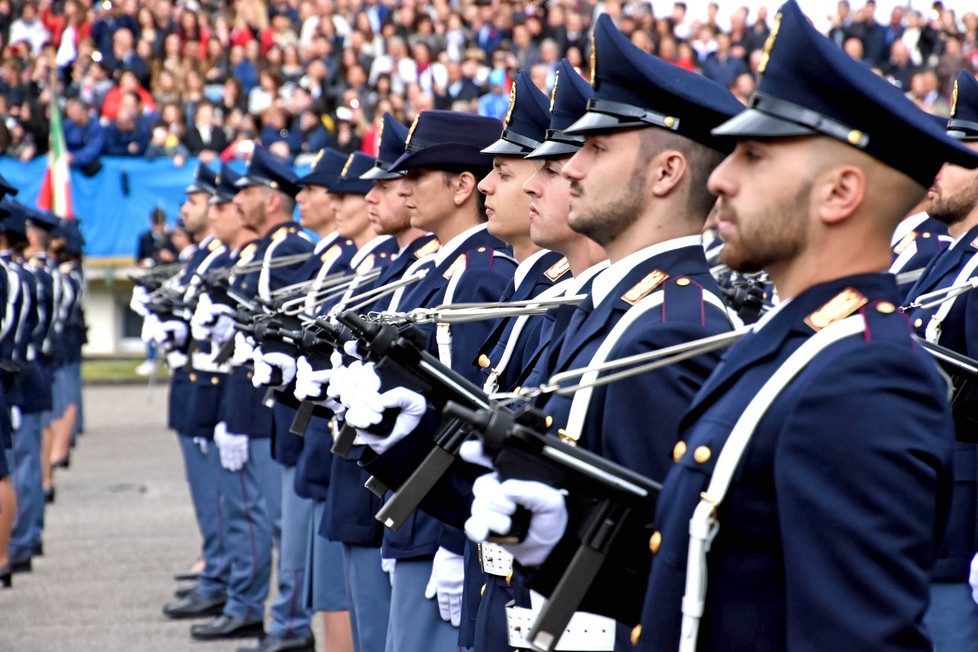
x=839, y=192
x=463, y=185
x=668, y=169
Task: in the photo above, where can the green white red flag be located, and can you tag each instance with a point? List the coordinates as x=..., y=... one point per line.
x=55, y=193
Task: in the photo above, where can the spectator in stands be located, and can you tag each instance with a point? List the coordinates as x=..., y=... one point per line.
x=67, y=29
x=154, y=246
x=527, y=52
x=951, y=63
x=21, y=142
x=84, y=137
x=203, y=138
x=276, y=127
x=924, y=93
x=166, y=144
x=721, y=66
x=129, y=133
x=93, y=85
x=313, y=137
x=123, y=57
x=29, y=27
x=128, y=83
x=459, y=90
x=901, y=68
x=495, y=103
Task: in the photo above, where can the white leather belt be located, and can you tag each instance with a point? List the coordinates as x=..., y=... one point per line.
x=585, y=632
x=495, y=560
x=205, y=362
x=176, y=359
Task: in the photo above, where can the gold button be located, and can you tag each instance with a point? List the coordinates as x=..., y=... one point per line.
x=655, y=541
x=682, y=282
x=636, y=634
x=925, y=235
x=244, y=286
x=518, y=390
x=484, y=361
x=509, y=577
x=482, y=591
x=918, y=323
x=549, y=421
x=669, y=121
x=193, y=378
x=885, y=307
x=481, y=249
x=855, y=136
x=702, y=454
x=249, y=375
x=678, y=451
x=214, y=380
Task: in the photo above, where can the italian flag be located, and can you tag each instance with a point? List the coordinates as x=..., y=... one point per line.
x=55, y=193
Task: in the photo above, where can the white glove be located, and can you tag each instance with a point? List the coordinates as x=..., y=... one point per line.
x=140, y=297
x=447, y=577
x=213, y=319
x=412, y=407
x=973, y=579
x=495, y=502
x=388, y=565
x=350, y=348
x=16, y=418
x=201, y=444
x=244, y=349
x=171, y=334
x=471, y=451
x=233, y=449
x=265, y=365
x=311, y=384
x=151, y=324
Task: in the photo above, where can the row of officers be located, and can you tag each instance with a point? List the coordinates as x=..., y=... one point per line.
x=509, y=399
x=42, y=330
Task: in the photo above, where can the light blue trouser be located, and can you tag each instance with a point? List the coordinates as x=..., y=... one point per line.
x=952, y=617
x=369, y=588
x=201, y=472
x=290, y=618
x=249, y=532
x=325, y=588
x=415, y=624
x=26, y=476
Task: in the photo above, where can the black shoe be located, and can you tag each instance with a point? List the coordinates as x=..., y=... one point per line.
x=38, y=550
x=21, y=565
x=6, y=577
x=49, y=495
x=63, y=463
x=227, y=627
x=195, y=605
x=273, y=644
x=184, y=591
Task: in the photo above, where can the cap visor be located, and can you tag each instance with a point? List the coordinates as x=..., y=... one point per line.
x=593, y=121
x=752, y=122
x=446, y=156
x=378, y=173
x=505, y=148
x=554, y=149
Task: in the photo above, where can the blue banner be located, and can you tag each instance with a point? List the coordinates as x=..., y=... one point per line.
x=113, y=206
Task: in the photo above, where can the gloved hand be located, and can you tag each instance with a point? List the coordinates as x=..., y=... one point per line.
x=311, y=384
x=171, y=334
x=388, y=565
x=201, y=444
x=151, y=324
x=472, y=452
x=973, y=579
x=495, y=502
x=350, y=348
x=363, y=415
x=213, y=319
x=244, y=349
x=140, y=297
x=232, y=448
x=265, y=365
x=16, y=418
x=447, y=576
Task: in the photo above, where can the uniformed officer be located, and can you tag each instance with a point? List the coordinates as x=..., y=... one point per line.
x=11, y=290
x=848, y=463
x=917, y=239
x=952, y=200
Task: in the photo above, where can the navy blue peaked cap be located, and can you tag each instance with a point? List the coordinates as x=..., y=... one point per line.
x=70, y=231
x=350, y=181
x=963, y=124
x=6, y=188
x=225, y=185
x=325, y=169
x=809, y=86
x=449, y=141
x=391, y=147
x=526, y=122
x=568, y=102
x=266, y=169
x=635, y=89
x=42, y=219
x=204, y=180
x=14, y=216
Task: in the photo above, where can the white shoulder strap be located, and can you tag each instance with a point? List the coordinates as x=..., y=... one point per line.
x=703, y=526
x=443, y=332
x=933, y=331
x=411, y=270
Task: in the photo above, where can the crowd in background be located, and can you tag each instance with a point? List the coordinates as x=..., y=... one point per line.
x=209, y=78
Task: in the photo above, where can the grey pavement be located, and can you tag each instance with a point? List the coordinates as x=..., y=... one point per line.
x=121, y=527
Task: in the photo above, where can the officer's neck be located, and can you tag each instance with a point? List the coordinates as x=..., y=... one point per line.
x=640, y=235
x=583, y=253
x=457, y=223
x=406, y=237
x=274, y=221
x=961, y=227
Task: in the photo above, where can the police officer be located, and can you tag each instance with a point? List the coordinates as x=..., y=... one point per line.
x=849, y=463
x=952, y=200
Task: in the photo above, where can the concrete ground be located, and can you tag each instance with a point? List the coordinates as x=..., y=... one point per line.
x=121, y=527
